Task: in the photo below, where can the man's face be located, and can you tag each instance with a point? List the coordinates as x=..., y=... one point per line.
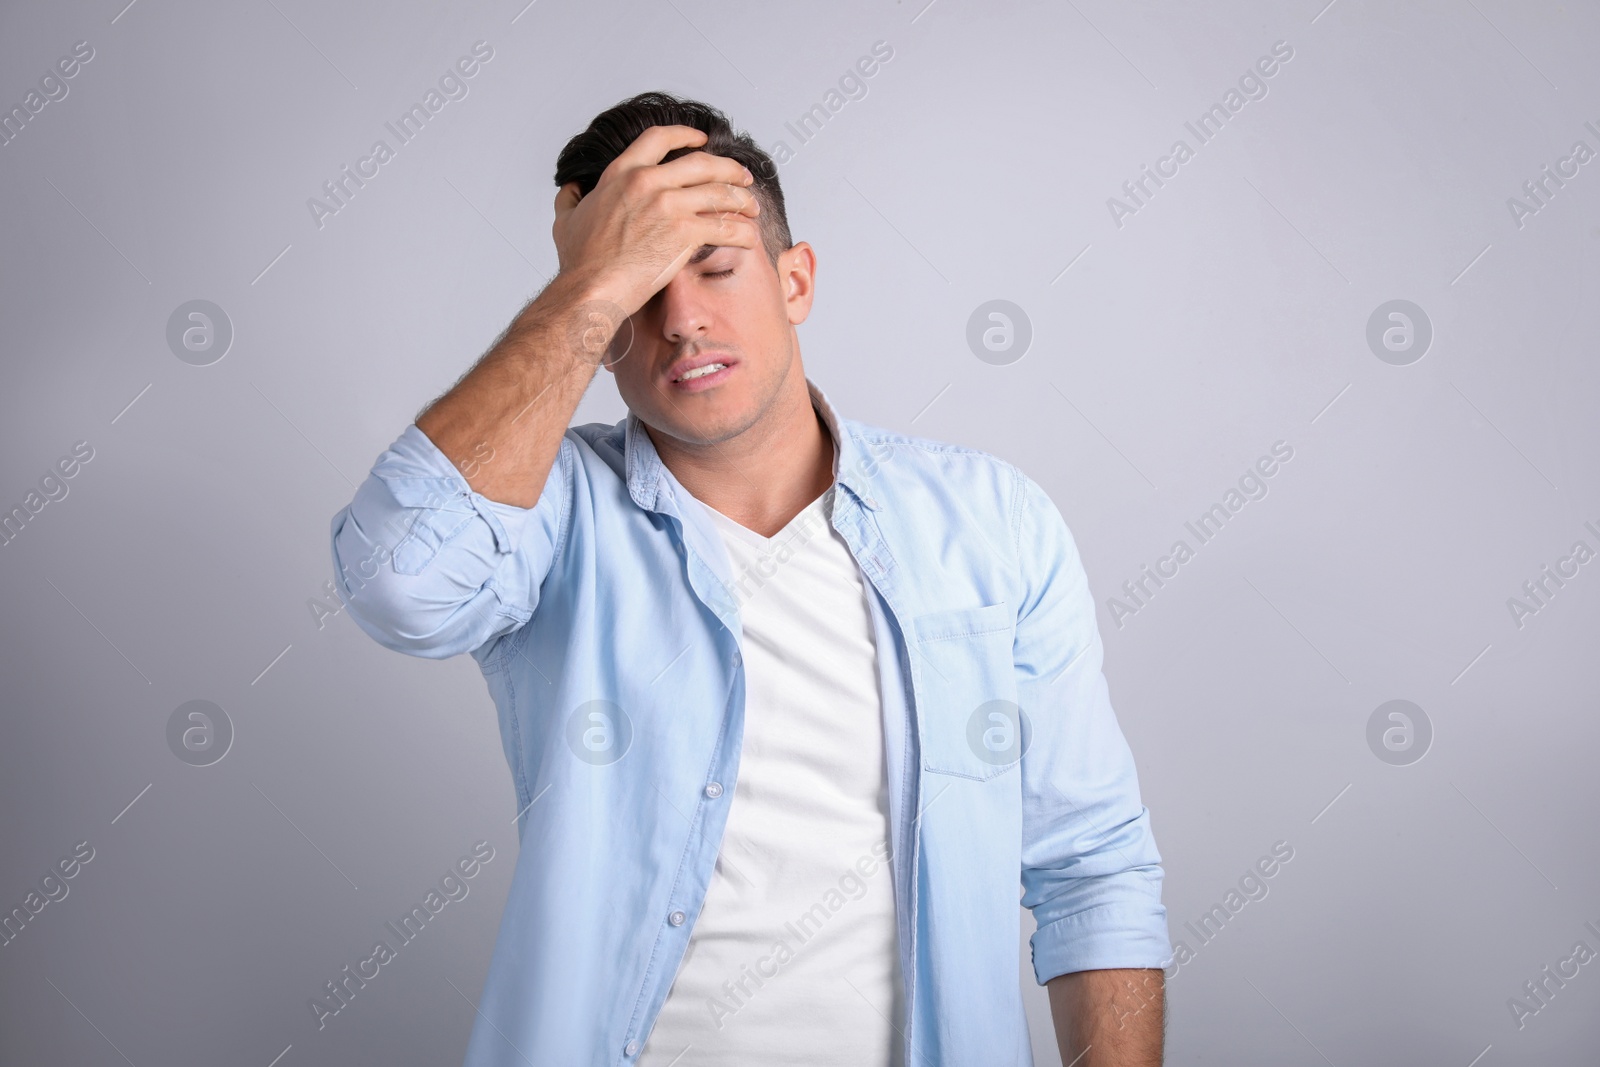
x=728, y=305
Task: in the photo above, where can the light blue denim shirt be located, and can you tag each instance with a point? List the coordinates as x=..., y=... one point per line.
x=605, y=619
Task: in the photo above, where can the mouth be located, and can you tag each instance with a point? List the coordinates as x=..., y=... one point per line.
x=701, y=373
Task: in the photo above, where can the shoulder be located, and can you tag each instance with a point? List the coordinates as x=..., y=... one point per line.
x=922, y=451
x=600, y=437
x=906, y=460
x=593, y=450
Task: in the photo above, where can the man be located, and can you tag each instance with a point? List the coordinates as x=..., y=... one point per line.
x=788, y=700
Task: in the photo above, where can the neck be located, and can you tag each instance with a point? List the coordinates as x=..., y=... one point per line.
x=761, y=478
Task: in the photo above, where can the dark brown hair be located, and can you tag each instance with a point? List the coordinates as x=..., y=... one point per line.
x=588, y=154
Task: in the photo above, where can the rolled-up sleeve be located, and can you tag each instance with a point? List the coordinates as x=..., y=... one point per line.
x=429, y=567
x=1090, y=870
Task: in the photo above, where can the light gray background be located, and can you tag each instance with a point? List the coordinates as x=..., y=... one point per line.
x=1228, y=314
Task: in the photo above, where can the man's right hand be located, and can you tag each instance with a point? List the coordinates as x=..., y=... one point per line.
x=502, y=423
x=644, y=219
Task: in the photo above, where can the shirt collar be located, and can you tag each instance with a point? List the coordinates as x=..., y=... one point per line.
x=851, y=467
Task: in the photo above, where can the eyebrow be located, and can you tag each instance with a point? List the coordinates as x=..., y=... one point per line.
x=702, y=253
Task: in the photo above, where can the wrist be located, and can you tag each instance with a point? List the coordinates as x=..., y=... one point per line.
x=596, y=287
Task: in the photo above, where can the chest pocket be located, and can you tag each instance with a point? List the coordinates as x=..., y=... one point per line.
x=968, y=722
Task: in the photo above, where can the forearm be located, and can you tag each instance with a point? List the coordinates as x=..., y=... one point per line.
x=502, y=424
x=1109, y=1018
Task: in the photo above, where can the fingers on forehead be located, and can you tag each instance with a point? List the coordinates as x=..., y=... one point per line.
x=739, y=230
x=715, y=198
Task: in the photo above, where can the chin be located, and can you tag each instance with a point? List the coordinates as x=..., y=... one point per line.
x=710, y=423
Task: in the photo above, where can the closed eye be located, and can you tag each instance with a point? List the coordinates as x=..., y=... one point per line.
x=719, y=274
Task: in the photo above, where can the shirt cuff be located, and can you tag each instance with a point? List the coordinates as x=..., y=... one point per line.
x=1111, y=935
x=419, y=476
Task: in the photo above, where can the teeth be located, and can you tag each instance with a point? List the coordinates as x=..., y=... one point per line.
x=701, y=372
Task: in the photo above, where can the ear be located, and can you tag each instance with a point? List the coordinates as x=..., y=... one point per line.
x=797, y=273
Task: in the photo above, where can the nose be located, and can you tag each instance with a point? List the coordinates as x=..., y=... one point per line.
x=685, y=316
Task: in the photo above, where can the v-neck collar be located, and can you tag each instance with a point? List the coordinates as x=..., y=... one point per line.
x=750, y=537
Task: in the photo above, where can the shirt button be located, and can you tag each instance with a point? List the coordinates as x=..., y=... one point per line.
x=631, y=1048
x=714, y=790
x=676, y=918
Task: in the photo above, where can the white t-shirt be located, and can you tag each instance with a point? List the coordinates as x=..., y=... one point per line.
x=793, y=957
